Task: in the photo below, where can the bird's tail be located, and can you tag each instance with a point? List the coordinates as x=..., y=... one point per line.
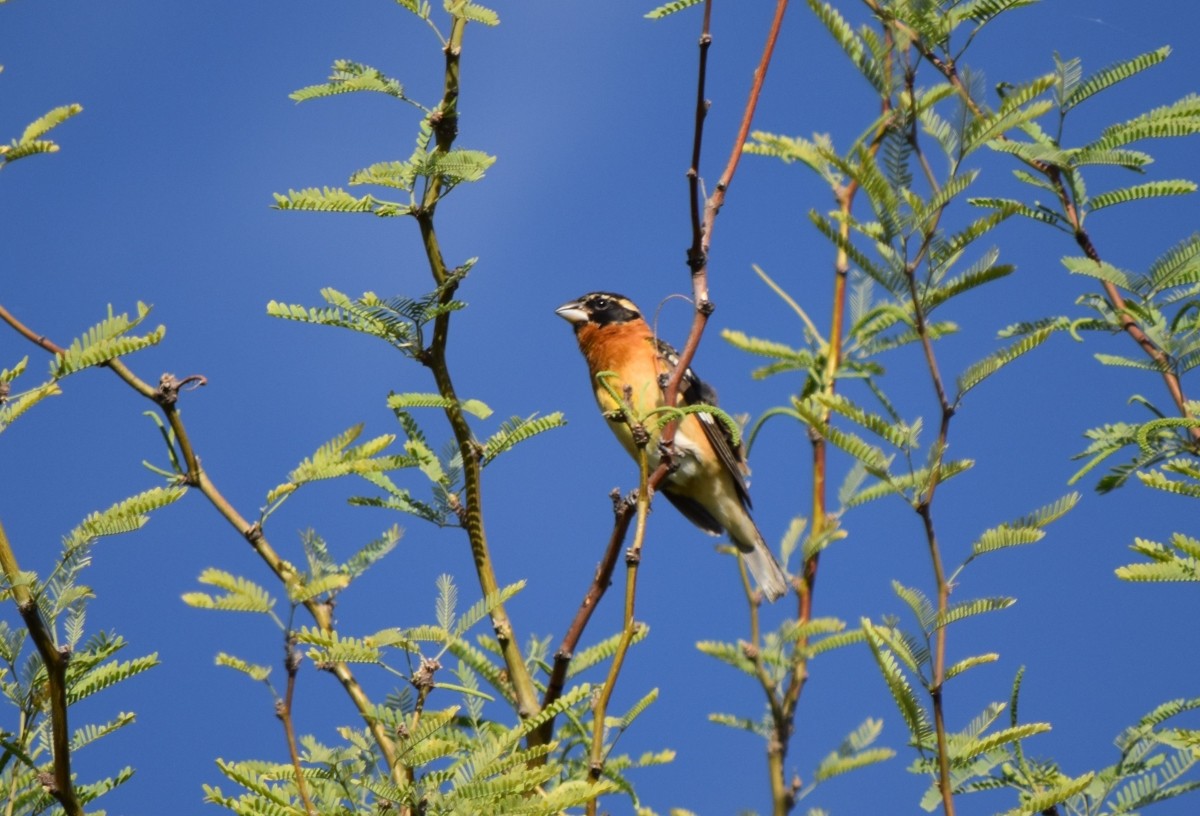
x=762, y=565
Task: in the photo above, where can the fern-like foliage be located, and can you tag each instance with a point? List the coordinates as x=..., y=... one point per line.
x=105, y=341
x=1177, y=561
x=31, y=142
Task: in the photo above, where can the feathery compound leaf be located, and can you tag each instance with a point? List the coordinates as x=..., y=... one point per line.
x=1025, y=530
x=603, y=650
x=517, y=430
x=970, y=663
x=335, y=199
x=983, y=11
x=108, y=674
x=854, y=752
x=335, y=458
x=330, y=647
x=1079, y=265
x=241, y=594
x=123, y=517
x=251, y=670
x=911, y=710
x=851, y=43
x=759, y=727
x=47, y=122
x=483, y=607
x=475, y=408
x=348, y=77
x=105, y=341
x=1045, y=800
x=447, y=601
x=1181, y=118
x=899, y=434
x=472, y=12
x=1175, y=267
x=980, y=371
x=670, y=8
x=1159, y=481
x=1141, y=192
x=871, y=456
x=31, y=143
x=372, y=552
x=1111, y=75
x=967, y=609
x=1179, y=562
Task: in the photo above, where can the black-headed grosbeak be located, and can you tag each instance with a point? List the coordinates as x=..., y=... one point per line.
x=708, y=482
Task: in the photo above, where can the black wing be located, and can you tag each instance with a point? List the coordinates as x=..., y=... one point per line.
x=695, y=391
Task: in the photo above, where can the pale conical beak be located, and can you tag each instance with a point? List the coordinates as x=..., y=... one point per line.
x=572, y=312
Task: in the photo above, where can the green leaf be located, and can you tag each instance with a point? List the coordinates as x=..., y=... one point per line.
x=475, y=408
x=251, y=670
x=913, y=713
x=1111, y=75
x=969, y=663
x=517, y=430
x=107, y=674
x=670, y=8
x=967, y=609
x=854, y=752
x=105, y=341
x=123, y=517
x=599, y=652
x=1141, y=192
x=241, y=594
x=980, y=371
x=1179, y=562
x=851, y=43
x=759, y=728
x=31, y=143
x=348, y=77
x=483, y=607
x=472, y=12
x=335, y=199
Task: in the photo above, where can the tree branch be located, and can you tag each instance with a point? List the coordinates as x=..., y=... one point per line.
x=60, y=786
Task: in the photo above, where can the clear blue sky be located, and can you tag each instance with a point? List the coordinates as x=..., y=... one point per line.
x=161, y=193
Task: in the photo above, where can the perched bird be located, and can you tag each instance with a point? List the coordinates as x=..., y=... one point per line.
x=708, y=483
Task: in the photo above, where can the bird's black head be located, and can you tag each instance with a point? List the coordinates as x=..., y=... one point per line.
x=599, y=309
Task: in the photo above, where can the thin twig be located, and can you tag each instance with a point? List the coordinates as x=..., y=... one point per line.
x=283, y=709
x=633, y=559
x=252, y=533
x=445, y=128
x=60, y=785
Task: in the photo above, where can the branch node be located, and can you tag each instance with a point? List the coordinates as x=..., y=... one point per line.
x=254, y=533
x=169, y=387
x=423, y=678
x=633, y=557
x=706, y=307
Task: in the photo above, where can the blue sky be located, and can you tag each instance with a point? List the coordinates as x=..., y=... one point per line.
x=161, y=193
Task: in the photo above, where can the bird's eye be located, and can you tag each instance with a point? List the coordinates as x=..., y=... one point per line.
x=602, y=303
